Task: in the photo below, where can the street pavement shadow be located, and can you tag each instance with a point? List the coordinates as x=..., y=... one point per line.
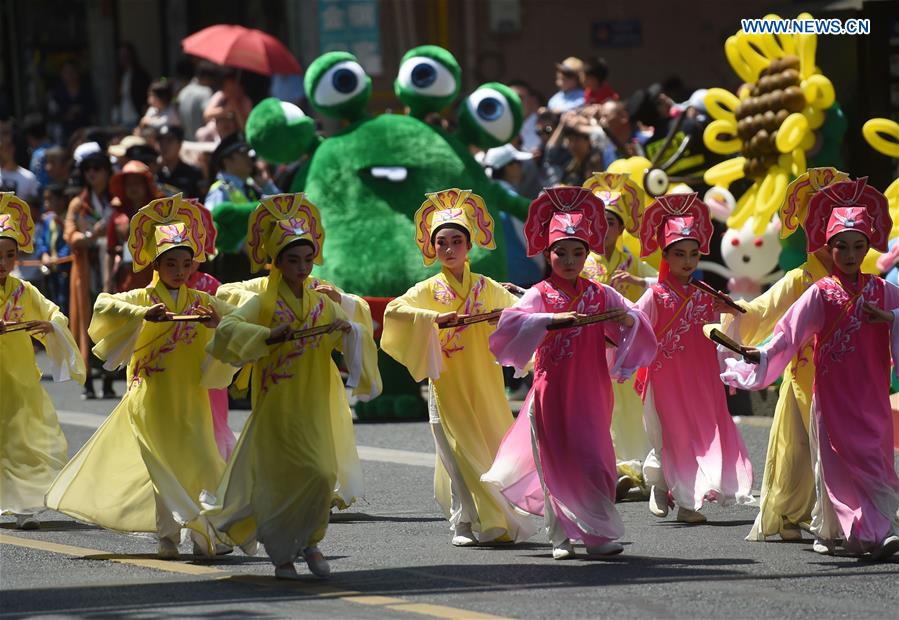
x=55, y=526
x=356, y=517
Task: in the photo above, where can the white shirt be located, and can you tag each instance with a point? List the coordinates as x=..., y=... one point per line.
x=23, y=183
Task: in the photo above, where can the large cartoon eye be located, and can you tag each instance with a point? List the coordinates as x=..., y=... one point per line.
x=340, y=83
x=491, y=111
x=656, y=182
x=426, y=76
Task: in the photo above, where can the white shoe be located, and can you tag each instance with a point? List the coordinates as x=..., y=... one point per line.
x=885, y=549
x=658, y=502
x=609, y=548
x=27, y=522
x=685, y=515
x=168, y=549
x=790, y=531
x=463, y=537
x=563, y=551
x=287, y=571
x=316, y=562
x=824, y=547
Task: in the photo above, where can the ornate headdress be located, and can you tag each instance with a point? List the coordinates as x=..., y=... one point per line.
x=277, y=222
x=848, y=205
x=453, y=206
x=565, y=212
x=16, y=222
x=621, y=196
x=795, y=204
x=673, y=218
x=163, y=224
x=209, y=227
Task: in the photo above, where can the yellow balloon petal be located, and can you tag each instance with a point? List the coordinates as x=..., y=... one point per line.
x=722, y=105
x=818, y=91
x=744, y=209
x=725, y=173
x=814, y=116
x=874, y=131
x=808, y=141
x=751, y=56
x=791, y=132
x=799, y=164
x=736, y=60
x=805, y=49
x=770, y=196
x=721, y=137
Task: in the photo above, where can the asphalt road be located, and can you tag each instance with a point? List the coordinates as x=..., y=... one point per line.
x=391, y=557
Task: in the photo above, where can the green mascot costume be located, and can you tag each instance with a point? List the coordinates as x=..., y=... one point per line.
x=369, y=178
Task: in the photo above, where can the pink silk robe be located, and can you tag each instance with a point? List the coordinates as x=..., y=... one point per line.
x=218, y=397
x=852, y=426
x=697, y=451
x=559, y=451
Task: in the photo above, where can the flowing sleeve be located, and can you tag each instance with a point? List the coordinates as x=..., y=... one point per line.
x=636, y=344
x=239, y=293
x=802, y=321
x=65, y=358
x=520, y=330
x=215, y=372
x=116, y=324
x=891, y=304
x=238, y=339
x=357, y=310
x=763, y=312
x=410, y=334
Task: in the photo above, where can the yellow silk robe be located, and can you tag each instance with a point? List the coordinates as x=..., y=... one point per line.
x=469, y=412
x=279, y=482
x=628, y=433
x=147, y=466
x=788, y=485
x=349, y=469
x=33, y=449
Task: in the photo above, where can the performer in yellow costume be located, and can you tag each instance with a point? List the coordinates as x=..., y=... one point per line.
x=788, y=485
x=146, y=467
x=349, y=485
x=629, y=276
x=33, y=449
x=469, y=413
x=279, y=482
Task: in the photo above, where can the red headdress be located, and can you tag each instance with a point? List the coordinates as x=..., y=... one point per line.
x=565, y=213
x=848, y=205
x=675, y=217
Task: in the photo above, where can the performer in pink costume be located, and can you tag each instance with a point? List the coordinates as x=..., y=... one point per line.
x=557, y=460
x=853, y=318
x=697, y=453
x=218, y=397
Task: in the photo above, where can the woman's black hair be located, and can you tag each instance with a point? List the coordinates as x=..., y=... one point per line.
x=458, y=227
x=177, y=247
x=293, y=244
x=617, y=217
x=584, y=243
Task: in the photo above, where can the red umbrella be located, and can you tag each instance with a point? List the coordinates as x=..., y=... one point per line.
x=243, y=48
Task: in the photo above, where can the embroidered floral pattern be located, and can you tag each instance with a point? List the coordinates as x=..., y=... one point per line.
x=444, y=293
x=696, y=313
x=840, y=341
x=13, y=311
x=557, y=346
x=451, y=338
x=153, y=362
x=279, y=366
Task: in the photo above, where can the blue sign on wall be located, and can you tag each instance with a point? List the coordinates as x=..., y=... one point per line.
x=352, y=26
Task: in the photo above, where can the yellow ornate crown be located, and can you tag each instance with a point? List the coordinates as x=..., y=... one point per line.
x=621, y=195
x=794, y=207
x=453, y=206
x=16, y=222
x=163, y=224
x=280, y=220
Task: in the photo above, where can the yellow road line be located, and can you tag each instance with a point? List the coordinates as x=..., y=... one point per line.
x=320, y=591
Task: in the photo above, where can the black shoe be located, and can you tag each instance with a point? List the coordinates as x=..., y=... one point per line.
x=88, y=394
x=109, y=393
